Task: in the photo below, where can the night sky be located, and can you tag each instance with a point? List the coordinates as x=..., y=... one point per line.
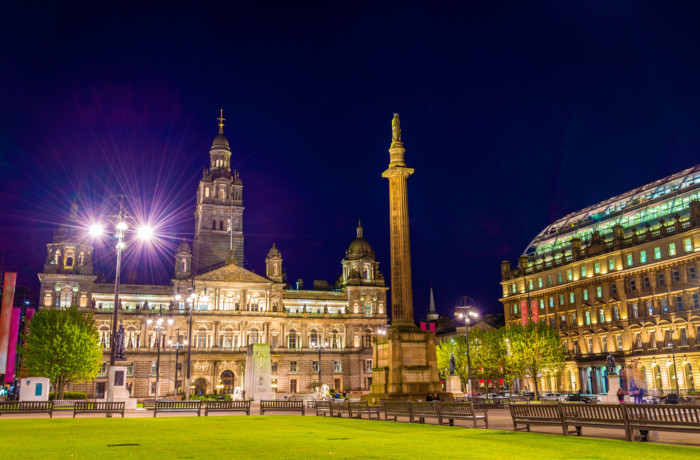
x=512, y=117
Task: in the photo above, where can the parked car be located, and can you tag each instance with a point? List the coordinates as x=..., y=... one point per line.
x=529, y=394
x=650, y=399
x=578, y=397
x=553, y=397
x=493, y=395
x=672, y=399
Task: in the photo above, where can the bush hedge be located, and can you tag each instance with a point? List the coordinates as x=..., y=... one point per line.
x=69, y=395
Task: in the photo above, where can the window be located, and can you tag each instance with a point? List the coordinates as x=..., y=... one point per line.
x=559, y=278
x=683, y=336
x=153, y=368
x=293, y=385
x=635, y=310
x=672, y=249
x=562, y=322
x=577, y=349
x=643, y=257
x=539, y=282
x=368, y=366
x=646, y=283
x=596, y=268
x=514, y=288
x=367, y=338
x=565, y=343
x=696, y=300
x=652, y=339
x=541, y=304
x=335, y=339
x=549, y=280
x=679, y=303
x=657, y=253
x=616, y=313
x=551, y=301
x=599, y=292
x=292, y=339
x=590, y=345
x=611, y=264
x=585, y=294
x=551, y=322
x=337, y=367
x=221, y=225
x=604, y=343
x=561, y=299
x=687, y=245
x=222, y=194
x=515, y=308
x=601, y=315
x=633, y=285
x=273, y=341
x=613, y=288
x=691, y=273
x=638, y=340
x=588, y=318
x=573, y=320
x=152, y=389
x=618, y=338
x=569, y=275
x=274, y=367
x=206, y=192
x=630, y=260
x=675, y=276
x=213, y=224
x=531, y=285
x=650, y=308
x=664, y=305
x=583, y=271
x=293, y=368
x=314, y=366
x=660, y=279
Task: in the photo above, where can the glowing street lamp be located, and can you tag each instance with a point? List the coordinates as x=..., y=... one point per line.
x=463, y=311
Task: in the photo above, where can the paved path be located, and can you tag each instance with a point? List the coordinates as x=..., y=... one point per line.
x=499, y=419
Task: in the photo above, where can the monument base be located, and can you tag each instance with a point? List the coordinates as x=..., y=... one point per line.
x=454, y=386
x=258, y=373
x=121, y=394
x=405, y=366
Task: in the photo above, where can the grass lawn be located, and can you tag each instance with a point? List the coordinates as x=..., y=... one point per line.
x=279, y=436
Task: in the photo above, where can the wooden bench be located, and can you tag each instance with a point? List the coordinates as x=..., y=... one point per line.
x=149, y=404
x=397, y=408
x=227, y=406
x=338, y=407
x=84, y=407
x=423, y=410
x=518, y=399
x=322, y=407
x=282, y=406
x=662, y=417
x=595, y=416
x=536, y=414
x=382, y=401
x=462, y=411
x=357, y=408
x=65, y=404
x=26, y=407
x=177, y=406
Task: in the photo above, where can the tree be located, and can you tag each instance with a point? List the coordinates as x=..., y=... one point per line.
x=487, y=350
x=62, y=345
x=533, y=350
x=458, y=346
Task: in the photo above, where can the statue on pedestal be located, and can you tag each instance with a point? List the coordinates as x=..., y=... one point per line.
x=452, y=364
x=396, y=129
x=611, y=364
x=119, y=344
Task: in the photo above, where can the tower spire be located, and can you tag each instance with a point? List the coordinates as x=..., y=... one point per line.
x=359, y=228
x=221, y=122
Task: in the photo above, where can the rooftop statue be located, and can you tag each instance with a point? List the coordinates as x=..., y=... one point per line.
x=396, y=129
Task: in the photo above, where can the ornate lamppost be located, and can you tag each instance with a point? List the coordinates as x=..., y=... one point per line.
x=190, y=300
x=177, y=346
x=159, y=330
x=463, y=311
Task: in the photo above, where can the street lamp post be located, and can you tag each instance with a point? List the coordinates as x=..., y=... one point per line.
x=463, y=311
x=673, y=351
x=191, y=300
x=177, y=347
x=320, y=347
x=159, y=329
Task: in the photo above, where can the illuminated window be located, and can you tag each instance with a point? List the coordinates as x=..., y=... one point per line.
x=596, y=268
x=599, y=292
x=604, y=343
x=531, y=285
x=561, y=299
x=571, y=297
x=630, y=260
x=601, y=315
x=206, y=192
x=222, y=194
x=671, y=250
x=588, y=318
x=541, y=304
x=293, y=368
x=611, y=264
x=643, y=257
x=549, y=280
x=618, y=337
x=583, y=271
x=585, y=294
x=688, y=245
x=559, y=278
x=569, y=275
x=551, y=301
x=539, y=282
x=657, y=253
x=183, y=266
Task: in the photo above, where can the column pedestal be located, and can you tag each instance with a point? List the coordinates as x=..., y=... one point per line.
x=120, y=391
x=454, y=386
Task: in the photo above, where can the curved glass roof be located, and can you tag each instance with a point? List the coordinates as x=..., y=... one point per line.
x=643, y=205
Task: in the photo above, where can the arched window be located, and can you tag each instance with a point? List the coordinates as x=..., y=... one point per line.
x=66, y=297
x=254, y=335
x=81, y=258
x=335, y=340
x=222, y=195
x=104, y=337
x=228, y=338
x=221, y=225
x=274, y=270
x=130, y=337
x=213, y=224
x=313, y=338
x=292, y=339
x=70, y=254
x=184, y=265
x=202, y=337
x=365, y=273
x=368, y=338
x=206, y=192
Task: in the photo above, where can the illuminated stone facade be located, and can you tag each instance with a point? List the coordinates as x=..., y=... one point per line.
x=241, y=307
x=623, y=277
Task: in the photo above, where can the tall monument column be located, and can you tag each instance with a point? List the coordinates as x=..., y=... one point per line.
x=405, y=359
x=401, y=285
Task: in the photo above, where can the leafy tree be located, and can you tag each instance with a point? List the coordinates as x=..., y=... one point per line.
x=62, y=345
x=458, y=346
x=534, y=350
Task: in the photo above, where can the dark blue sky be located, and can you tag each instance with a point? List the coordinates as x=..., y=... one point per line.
x=512, y=117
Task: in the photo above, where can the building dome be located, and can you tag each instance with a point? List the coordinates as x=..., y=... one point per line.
x=360, y=247
x=220, y=141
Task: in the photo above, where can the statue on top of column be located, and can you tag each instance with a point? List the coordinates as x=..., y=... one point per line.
x=119, y=344
x=396, y=129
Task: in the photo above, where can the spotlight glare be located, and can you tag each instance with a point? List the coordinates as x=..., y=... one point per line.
x=145, y=233
x=96, y=230
x=121, y=226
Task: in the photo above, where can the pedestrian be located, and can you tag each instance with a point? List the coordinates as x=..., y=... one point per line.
x=429, y=398
x=436, y=397
x=620, y=395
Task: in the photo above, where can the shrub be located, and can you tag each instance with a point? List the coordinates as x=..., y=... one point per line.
x=69, y=395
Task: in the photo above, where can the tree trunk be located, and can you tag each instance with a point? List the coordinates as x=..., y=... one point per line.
x=60, y=383
x=536, y=391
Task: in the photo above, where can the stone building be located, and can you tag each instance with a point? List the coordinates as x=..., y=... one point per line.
x=620, y=276
x=231, y=306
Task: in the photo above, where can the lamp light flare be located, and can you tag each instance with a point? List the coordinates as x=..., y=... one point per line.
x=145, y=233
x=170, y=321
x=121, y=226
x=178, y=297
x=96, y=230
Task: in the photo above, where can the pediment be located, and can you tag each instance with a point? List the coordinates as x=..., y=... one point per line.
x=232, y=273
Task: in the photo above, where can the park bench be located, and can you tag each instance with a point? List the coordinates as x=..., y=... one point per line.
x=423, y=410
x=65, y=404
x=84, y=407
x=26, y=407
x=382, y=401
x=462, y=411
x=338, y=408
x=177, y=406
x=397, y=408
x=518, y=399
x=357, y=408
x=662, y=417
x=227, y=406
x=282, y=406
x=149, y=404
x=322, y=407
x=487, y=405
x=579, y=415
x=536, y=414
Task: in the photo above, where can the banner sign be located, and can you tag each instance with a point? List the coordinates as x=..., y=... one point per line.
x=8, y=297
x=535, y=313
x=523, y=311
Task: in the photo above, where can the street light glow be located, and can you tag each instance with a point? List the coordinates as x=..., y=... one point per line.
x=145, y=233
x=96, y=230
x=121, y=226
x=178, y=297
x=170, y=321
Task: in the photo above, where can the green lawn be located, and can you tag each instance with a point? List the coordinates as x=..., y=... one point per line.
x=279, y=436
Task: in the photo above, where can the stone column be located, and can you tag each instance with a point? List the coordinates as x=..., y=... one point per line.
x=244, y=300
x=216, y=334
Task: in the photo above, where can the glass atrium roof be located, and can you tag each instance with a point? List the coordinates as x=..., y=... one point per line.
x=644, y=205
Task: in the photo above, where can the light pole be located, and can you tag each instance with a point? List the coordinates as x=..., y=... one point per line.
x=159, y=330
x=120, y=227
x=177, y=347
x=463, y=311
x=320, y=347
x=190, y=301
x=673, y=351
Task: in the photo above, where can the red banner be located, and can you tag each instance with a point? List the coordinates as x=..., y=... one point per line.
x=8, y=297
x=535, y=313
x=523, y=311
